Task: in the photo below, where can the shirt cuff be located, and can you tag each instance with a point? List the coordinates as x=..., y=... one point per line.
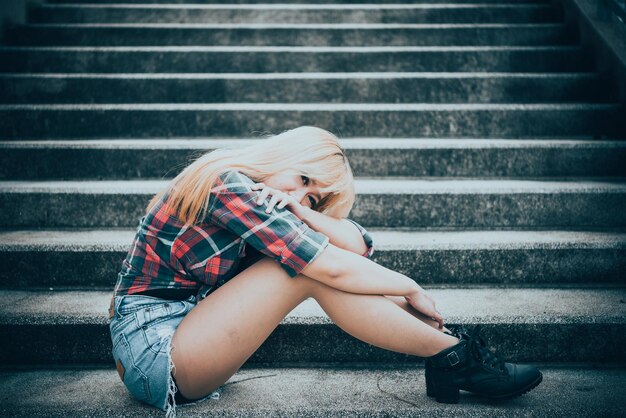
x=367, y=238
x=302, y=250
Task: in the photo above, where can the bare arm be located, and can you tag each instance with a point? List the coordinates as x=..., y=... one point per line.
x=354, y=273
x=351, y=272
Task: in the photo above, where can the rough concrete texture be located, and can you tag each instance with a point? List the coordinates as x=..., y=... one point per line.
x=289, y=34
x=93, y=257
x=584, y=390
x=165, y=158
x=295, y=13
x=240, y=119
x=380, y=203
x=228, y=59
x=575, y=324
x=291, y=2
x=305, y=88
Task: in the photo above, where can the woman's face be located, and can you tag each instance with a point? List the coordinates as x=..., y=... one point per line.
x=301, y=187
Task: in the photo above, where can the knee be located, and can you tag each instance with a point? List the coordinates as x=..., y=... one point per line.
x=272, y=268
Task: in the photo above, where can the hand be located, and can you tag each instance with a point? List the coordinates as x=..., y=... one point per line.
x=425, y=304
x=283, y=199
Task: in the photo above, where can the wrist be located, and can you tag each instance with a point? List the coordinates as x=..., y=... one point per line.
x=305, y=214
x=414, y=291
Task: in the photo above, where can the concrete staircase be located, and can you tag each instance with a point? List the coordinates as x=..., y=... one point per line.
x=485, y=129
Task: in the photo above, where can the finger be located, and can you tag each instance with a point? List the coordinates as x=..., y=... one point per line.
x=264, y=193
x=284, y=203
x=273, y=201
x=439, y=319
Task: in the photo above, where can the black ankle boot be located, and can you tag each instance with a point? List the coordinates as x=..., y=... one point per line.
x=458, y=331
x=470, y=366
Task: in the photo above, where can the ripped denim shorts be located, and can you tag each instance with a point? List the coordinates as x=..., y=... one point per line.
x=141, y=331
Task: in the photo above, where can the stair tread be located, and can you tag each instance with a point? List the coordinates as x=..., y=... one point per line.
x=566, y=390
x=119, y=239
x=346, y=143
x=377, y=185
x=299, y=6
x=295, y=25
x=483, y=305
x=305, y=75
x=319, y=107
x=335, y=49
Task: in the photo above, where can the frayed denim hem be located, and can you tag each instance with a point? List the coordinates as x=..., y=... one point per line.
x=170, y=402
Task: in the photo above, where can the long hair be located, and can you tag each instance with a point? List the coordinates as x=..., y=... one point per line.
x=307, y=150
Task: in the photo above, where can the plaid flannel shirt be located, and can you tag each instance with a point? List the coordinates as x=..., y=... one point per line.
x=165, y=254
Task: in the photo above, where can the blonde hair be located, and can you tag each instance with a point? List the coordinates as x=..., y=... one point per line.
x=307, y=150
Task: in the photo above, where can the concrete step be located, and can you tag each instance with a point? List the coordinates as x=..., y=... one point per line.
x=117, y=158
x=535, y=324
x=301, y=1
x=93, y=257
x=571, y=390
x=304, y=88
x=234, y=120
x=294, y=13
x=379, y=203
x=290, y=34
x=256, y=59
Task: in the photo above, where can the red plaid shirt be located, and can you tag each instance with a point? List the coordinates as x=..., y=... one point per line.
x=165, y=254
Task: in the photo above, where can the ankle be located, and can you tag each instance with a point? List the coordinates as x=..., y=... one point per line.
x=442, y=343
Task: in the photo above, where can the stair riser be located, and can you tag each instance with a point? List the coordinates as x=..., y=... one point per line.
x=115, y=36
x=489, y=123
x=540, y=89
x=487, y=14
x=42, y=163
x=593, y=209
x=290, y=343
x=84, y=267
x=558, y=59
x=182, y=2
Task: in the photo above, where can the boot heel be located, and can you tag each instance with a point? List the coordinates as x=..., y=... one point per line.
x=442, y=386
x=447, y=394
x=430, y=390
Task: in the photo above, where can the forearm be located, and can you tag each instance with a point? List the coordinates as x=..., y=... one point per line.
x=341, y=233
x=357, y=274
x=362, y=275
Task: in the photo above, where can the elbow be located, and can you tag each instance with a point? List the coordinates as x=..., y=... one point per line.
x=330, y=266
x=341, y=263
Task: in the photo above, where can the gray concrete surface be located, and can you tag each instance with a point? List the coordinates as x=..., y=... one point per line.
x=305, y=88
x=79, y=257
x=228, y=59
x=291, y=2
x=388, y=202
x=297, y=13
x=165, y=158
x=339, y=34
x=521, y=324
x=584, y=390
x=244, y=119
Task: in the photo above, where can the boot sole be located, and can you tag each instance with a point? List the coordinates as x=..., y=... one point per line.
x=517, y=393
x=506, y=396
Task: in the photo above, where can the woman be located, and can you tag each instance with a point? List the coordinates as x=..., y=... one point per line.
x=240, y=238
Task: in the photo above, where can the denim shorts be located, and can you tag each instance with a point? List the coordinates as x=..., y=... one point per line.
x=141, y=332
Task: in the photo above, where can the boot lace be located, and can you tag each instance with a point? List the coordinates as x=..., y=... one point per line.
x=482, y=353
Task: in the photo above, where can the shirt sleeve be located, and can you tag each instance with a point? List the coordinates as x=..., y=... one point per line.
x=367, y=238
x=279, y=234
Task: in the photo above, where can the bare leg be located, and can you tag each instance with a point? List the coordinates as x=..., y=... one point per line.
x=377, y=320
x=401, y=302
x=214, y=340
